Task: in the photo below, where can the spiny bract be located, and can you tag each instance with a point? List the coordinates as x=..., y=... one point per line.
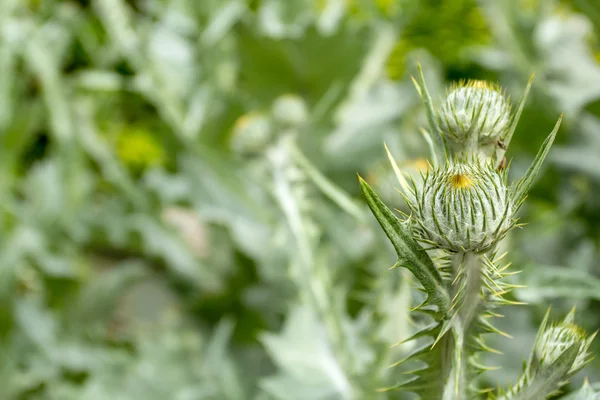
x=475, y=112
x=556, y=339
x=462, y=207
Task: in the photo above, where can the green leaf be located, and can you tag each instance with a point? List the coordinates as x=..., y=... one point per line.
x=430, y=111
x=516, y=117
x=167, y=245
x=520, y=191
x=100, y=298
x=410, y=254
x=320, y=376
x=329, y=189
x=545, y=281
x=430, y=381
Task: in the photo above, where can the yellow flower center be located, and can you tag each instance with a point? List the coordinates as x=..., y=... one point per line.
x=139, y=149
x=478, y=84
x=461, y=181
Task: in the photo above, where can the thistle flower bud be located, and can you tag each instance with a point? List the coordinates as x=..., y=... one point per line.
x=555, y=340
x=290, y=110
x=252, y=134
x=475, y=113
x=462, y=207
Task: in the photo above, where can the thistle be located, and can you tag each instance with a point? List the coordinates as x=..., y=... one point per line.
x=559, y=352
x=462, y=207
x=475, y=116
x=460, y=210
x=553, y=341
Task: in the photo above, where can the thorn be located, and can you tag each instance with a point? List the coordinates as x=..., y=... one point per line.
x=414, y=371
x=512, y=273
x=501, y=270
x=492, y=329
x=512, y=303
x=513, y=286
x=414, y=81
x=445, y=328
x=485, y=347
x=491, y=314
x=397, y=171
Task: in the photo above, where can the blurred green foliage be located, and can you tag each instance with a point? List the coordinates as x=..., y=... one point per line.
x=180, y=217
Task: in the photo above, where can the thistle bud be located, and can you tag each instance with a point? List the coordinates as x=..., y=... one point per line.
x=290, y=110
x=252, y=134
x=560, y=351
x=475, y=113
x=553, y=341
x=462, y=207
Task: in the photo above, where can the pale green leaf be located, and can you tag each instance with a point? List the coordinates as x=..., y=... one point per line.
x=329, y=189
x=587, y=392
x=546, y=282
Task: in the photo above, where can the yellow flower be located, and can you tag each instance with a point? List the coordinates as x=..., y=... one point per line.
x=461, y=181
x=137, y=148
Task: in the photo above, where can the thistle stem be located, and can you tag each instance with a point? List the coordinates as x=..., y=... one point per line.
x=472, y=265
x=467, y=267
x=314, y=282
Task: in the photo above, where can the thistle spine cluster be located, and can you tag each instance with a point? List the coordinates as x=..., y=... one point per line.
x=462, y=207
x=555, y=340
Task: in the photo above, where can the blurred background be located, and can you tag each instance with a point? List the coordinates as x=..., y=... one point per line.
x=179, y=211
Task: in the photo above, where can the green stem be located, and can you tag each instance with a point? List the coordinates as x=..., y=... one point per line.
x=469, y=266
x=314, y=282
x=472, y=298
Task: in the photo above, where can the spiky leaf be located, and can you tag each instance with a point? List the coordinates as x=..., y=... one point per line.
x=517, y=116
x=438, y=140
x=525, y=182
x=410, y=254
x=426, y=372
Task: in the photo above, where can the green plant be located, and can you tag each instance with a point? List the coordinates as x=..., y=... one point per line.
x=179, y=215
x=461, y=209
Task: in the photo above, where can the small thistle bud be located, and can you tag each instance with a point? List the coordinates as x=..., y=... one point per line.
x=553, y=341
x=290, y=110
x=252, y=134
x=560, y=351
x=462, y=207
x=475, y=113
